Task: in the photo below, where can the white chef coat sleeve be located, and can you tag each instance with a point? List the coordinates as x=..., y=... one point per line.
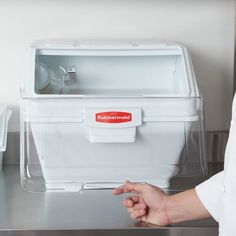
x=210, y=192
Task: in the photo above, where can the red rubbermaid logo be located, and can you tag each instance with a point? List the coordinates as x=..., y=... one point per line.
x=113, y=117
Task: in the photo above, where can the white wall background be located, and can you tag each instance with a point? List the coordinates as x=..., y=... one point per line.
x=206, y=27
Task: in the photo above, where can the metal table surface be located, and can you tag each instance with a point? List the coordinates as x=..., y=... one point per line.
x=89, y=213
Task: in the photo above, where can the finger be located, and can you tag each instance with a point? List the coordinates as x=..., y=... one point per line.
x=134, y=201
x=118, y=191
x=138, y=214
x=142, y=201
x=138, y=206
x=135, y=187
x=130, y=201
x=121, y=190
x=143, y=218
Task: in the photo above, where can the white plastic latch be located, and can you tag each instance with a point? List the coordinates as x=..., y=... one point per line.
x=112, y=125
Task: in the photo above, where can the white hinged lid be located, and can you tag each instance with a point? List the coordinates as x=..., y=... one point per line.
x=106, y=69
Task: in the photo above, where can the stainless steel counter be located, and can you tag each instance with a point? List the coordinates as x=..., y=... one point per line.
x=90, y=213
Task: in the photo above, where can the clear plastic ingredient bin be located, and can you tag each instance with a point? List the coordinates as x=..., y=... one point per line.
x=95, y=115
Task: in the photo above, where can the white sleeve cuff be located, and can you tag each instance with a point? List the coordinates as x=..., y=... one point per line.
x=209, y=193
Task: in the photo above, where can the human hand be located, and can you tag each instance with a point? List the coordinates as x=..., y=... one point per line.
x=149, y=205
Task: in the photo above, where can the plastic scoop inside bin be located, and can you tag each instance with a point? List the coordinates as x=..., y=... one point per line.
x=54, y=81
x=69, y=75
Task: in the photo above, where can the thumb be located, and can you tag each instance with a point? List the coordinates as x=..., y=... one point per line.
x=134, y=187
